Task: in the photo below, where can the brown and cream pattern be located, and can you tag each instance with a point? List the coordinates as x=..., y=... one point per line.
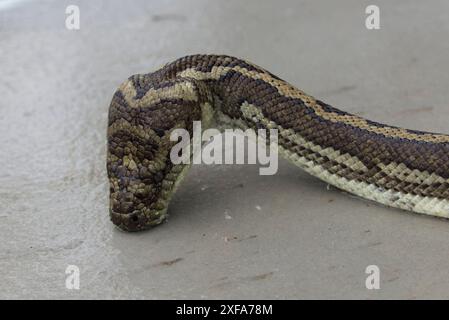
x=397, y=167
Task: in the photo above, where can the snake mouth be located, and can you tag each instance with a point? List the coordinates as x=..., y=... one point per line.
x=126, y=221
x=135, y=221
x=124, y=215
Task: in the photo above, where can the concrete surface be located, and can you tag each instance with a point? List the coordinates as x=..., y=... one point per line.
x=304, y=242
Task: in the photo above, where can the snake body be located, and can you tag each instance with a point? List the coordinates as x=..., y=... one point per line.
x=397, y=167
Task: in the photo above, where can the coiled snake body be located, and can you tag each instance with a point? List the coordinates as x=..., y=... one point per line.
x=397, y=167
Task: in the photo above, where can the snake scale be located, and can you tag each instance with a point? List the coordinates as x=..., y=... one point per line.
x=397, y=167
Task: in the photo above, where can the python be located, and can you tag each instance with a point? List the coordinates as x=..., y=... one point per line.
x=401, y=168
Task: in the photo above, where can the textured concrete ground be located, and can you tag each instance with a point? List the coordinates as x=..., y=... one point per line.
x=231, y=232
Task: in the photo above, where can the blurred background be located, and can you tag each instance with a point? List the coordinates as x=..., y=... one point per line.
x=231, y=233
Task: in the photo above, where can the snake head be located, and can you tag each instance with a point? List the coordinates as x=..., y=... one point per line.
x=141, y=175
x=136, y=164
x=136, y=183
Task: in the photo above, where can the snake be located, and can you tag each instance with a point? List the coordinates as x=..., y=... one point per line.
x=393, y=166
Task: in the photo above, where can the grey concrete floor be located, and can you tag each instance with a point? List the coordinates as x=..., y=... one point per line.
x=289, y=236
